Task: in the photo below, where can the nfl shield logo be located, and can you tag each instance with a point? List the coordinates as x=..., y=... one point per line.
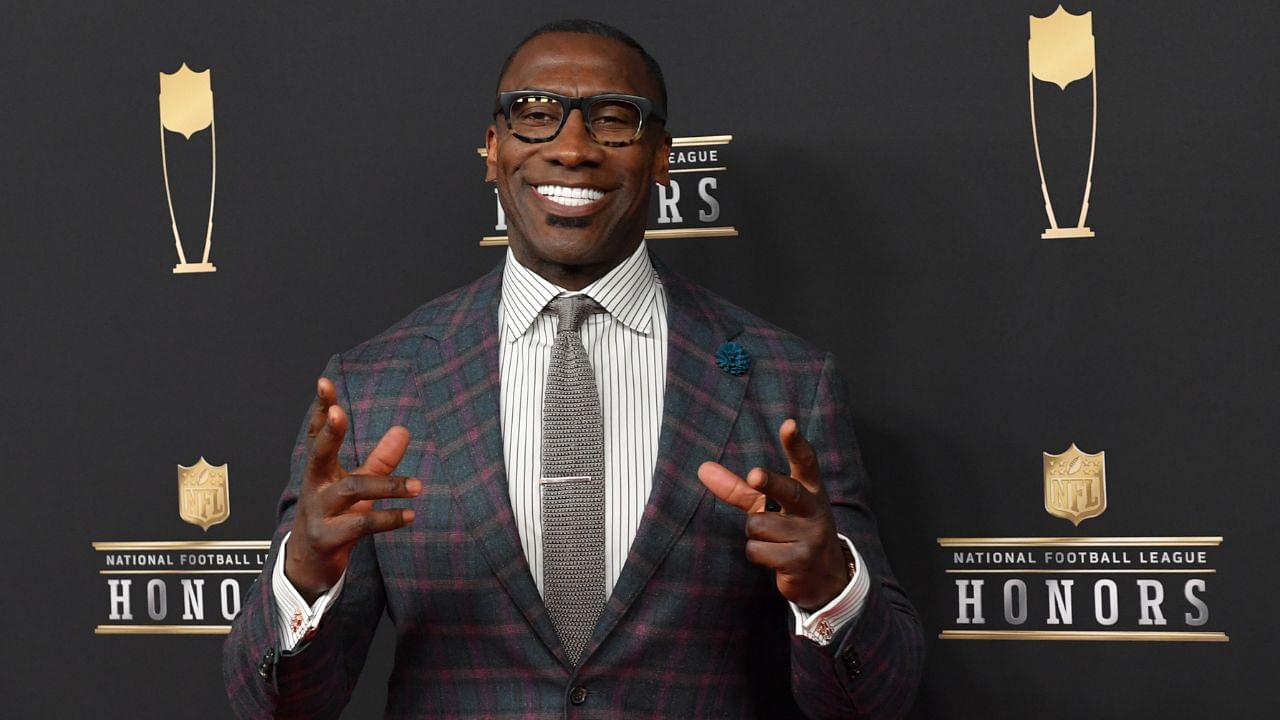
x=203, y=496
x=1075, y=484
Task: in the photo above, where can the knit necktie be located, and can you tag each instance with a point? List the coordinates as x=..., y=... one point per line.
x=573, y=574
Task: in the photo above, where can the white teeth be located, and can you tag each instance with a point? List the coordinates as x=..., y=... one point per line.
x=570, y=196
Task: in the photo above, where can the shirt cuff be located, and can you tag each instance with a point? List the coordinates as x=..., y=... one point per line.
x=297, y=620
x=822, y=624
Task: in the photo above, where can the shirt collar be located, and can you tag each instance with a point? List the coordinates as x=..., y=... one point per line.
x=626, y=292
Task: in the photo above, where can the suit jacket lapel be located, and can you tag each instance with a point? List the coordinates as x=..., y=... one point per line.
x=700, y=404
x=459, y=380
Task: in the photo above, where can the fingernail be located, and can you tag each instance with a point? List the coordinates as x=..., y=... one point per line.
x=407, y=515
x=413, y=486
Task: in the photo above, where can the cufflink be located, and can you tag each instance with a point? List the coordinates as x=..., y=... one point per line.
x=848, y=558
x=823, y=633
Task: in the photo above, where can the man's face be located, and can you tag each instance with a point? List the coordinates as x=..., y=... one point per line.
x=604, y=231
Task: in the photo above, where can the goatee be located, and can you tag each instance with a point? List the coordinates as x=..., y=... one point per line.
x=570, y=222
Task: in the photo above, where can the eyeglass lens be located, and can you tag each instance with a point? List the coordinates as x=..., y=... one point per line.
x=538, y=117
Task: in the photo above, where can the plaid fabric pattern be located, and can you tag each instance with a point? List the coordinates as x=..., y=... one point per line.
x=691, y=630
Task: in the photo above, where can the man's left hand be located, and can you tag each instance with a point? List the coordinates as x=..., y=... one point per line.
x=800, y=542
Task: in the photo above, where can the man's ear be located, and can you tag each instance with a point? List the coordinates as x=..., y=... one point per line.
x=491, y=154
x=662, y=161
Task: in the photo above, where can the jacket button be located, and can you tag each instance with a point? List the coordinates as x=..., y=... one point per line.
x=851, y=662
x=578, y=695
x=264, y=667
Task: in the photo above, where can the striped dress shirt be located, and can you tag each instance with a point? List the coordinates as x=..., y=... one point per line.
x=627, y=347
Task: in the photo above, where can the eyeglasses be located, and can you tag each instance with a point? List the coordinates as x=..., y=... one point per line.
x=612, y=119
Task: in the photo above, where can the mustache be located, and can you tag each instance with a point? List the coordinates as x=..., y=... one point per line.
x=569, y=222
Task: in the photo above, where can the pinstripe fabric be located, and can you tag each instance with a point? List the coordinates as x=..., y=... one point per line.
x=691, y=630
x=627, y=347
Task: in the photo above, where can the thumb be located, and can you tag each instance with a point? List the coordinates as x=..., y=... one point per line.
x=387, y=454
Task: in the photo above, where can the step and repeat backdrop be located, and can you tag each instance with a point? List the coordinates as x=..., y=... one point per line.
x=1041, y=240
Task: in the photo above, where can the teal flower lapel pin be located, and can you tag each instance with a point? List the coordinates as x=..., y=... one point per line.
x=733, y=359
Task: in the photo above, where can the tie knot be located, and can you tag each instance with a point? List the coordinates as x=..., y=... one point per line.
x=571, y=310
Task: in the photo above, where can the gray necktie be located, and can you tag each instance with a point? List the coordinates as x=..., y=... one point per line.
x=572, y=482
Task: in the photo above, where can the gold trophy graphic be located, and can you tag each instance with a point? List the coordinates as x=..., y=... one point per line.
x=1060, y=51
x=186, y=107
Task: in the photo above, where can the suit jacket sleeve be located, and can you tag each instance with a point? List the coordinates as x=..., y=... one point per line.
x=872, y=667
x=316, y=679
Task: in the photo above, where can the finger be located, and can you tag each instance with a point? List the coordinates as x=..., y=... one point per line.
x=352, y=489
x=779, y=556
x=727, y=486
x=387, y=454
x=772, y=527
x=349, y=527
x=794, y=498
x=800, y=455
x=326, y=395
x=322, y=465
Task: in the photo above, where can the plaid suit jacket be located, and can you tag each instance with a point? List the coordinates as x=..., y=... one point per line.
x=691, y=630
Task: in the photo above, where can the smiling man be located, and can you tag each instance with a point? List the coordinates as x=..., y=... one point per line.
x=582, y=485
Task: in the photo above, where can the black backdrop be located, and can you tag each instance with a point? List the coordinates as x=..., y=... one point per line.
x=889, y=211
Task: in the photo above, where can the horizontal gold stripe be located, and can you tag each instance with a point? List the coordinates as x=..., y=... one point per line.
x=1095, y=635
x=690, y=141
x=1151, y=541
x=666, y=234
x=162, y=630
x=727, y=231
x=179, y=572
x=1153, y=571
x=701, y=140
x=183, y=545
x=719, y=168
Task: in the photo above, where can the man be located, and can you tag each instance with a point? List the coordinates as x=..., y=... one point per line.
x=563, y=481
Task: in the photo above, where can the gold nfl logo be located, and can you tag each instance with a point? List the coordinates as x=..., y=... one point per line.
x=203, y=497
x=1075, y=484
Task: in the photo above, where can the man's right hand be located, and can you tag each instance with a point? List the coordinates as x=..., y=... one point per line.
x=335, y=508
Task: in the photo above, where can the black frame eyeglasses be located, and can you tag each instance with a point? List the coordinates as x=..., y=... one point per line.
x=612, y=119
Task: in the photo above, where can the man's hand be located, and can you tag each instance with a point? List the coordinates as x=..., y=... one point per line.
x=800, y=542
x=335, y=509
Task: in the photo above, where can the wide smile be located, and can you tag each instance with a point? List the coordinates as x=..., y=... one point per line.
x=568, y=201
